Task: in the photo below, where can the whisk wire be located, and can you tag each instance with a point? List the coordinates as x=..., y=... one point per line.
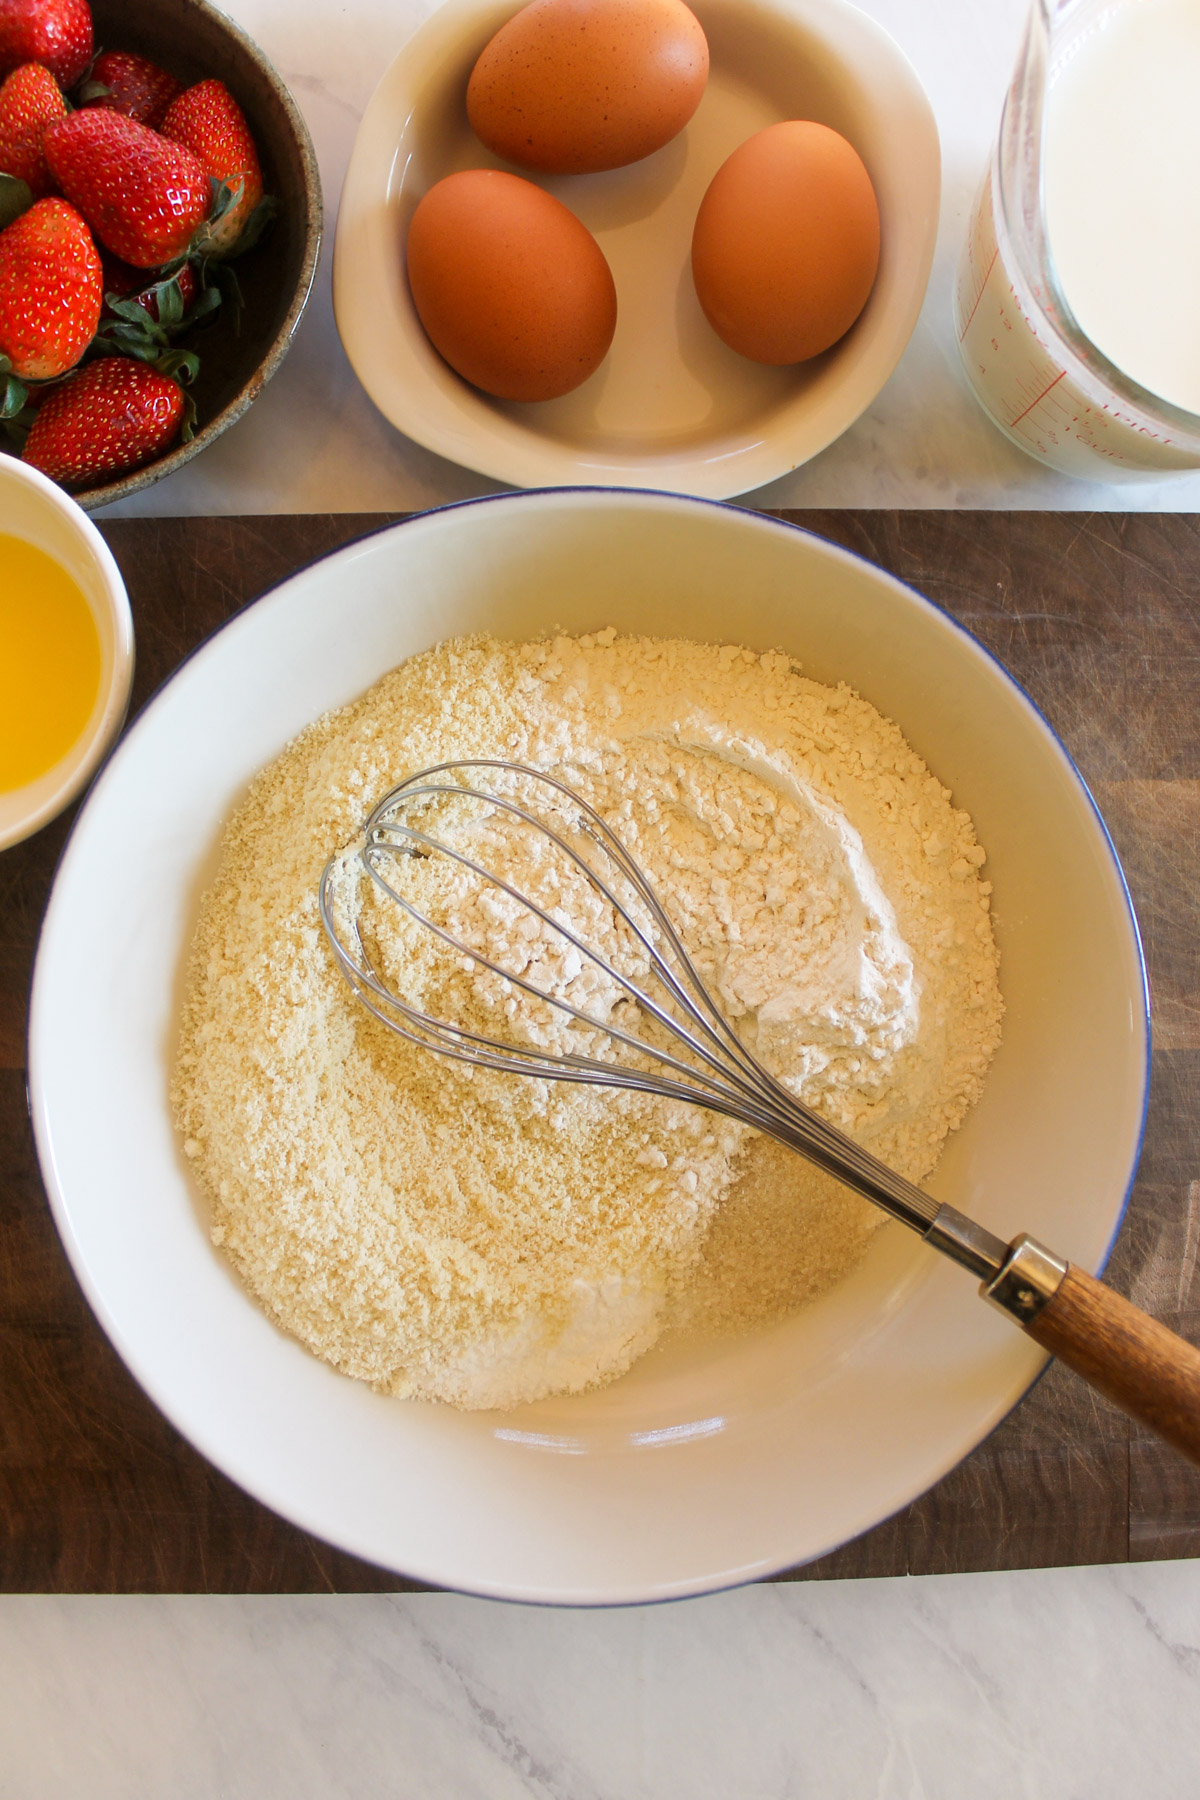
x=602, y=834
x=452, y=1041
x=724, y=1076
x=630, y=987
x=712, y=1020
x=511, y=1058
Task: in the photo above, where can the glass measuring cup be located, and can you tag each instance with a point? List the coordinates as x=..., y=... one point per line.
x=1034, y=370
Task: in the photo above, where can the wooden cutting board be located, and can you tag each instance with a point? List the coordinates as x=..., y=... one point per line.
x=1098, y=616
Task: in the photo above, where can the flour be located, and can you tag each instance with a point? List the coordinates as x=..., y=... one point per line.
x=486, y=1239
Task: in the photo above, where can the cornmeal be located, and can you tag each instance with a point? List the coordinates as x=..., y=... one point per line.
x=456, y=1234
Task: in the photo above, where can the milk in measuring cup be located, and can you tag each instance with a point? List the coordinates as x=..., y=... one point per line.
x=1086, y=240
x=1121, y=184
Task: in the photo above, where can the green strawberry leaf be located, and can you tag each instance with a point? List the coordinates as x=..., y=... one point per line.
x=208, y=300
x=207, y=251
x=182, y=366
x=144, y=345
x=173, y=268
x=16, y=197
x=15, y=415
x=230, y=288
x=169, y=298
x=224, y=198
x=188, y=431
x=91, y=91
x=130, y=330
x=263, y=215
x=13, y=395
x=89, y=74
x=129, y=310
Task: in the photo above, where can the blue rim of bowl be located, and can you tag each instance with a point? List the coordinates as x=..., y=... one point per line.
x=105, y=495
x=701, y=1585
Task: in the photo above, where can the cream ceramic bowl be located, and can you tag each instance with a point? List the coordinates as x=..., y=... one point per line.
x=671, y=406
x=33, y=508
x=698, y=1469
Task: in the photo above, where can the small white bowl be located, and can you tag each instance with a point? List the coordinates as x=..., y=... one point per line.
x=35, y=509
x=671, y=406
x=702, y=1467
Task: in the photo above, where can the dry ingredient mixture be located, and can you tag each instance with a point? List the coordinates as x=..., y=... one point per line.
x=487, y=1239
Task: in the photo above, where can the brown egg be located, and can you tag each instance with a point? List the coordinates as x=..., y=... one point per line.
x=786, y=243
x=573, y=86
x=511, y=288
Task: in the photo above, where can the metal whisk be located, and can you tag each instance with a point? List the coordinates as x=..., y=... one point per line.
x=679, y=1044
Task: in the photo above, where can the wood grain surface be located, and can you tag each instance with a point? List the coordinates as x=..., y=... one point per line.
x=1098, y=615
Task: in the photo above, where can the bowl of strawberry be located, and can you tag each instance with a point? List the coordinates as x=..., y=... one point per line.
x=160, y=222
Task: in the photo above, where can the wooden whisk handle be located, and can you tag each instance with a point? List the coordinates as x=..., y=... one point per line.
x=1149, y=1371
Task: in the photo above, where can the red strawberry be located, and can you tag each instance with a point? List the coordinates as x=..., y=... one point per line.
x=210, y=122
x=185, y=280
x=146, y=297
x=29, y=101
x=126, y=283
x=131, y=85
x=57, y=33
x=119, y=278
x=113, y=416
x=143, y=319
x=50, y=290
x=142, y=196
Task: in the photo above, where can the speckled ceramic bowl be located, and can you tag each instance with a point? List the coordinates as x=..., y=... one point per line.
x=193, y=40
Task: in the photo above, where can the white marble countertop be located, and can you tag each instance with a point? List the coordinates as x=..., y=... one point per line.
x=1066, y=1682
x=314, y=443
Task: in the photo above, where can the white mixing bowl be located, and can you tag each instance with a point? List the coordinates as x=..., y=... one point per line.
x=698, y=1469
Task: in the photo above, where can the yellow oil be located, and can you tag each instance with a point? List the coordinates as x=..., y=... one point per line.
x=49, y=662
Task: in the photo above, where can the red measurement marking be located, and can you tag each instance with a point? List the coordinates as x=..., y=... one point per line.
x=979, y=296
x=1036, y=402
